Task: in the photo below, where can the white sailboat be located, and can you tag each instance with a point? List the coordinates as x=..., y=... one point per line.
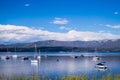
x=38, y=56
x=34, y=60
x=15, y=55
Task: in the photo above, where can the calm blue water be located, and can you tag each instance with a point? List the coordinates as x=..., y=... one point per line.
x=60, y=63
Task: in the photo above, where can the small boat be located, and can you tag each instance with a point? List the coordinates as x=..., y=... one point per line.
x=34, y=60
x=38, y=56
x=82, y=55
x=5, y=57
x=58, y=59
x=74, y=56
x=15, y=55
x=96, y=58
x=101, y=66
x=25, y=58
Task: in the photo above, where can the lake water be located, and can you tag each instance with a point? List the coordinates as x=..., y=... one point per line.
x=54, y=64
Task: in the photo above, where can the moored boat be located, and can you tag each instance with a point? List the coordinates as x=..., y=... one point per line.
x=95, y=58
x=34, y=60
x=101, y=66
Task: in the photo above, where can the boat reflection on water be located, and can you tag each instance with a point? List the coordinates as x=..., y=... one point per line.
x=34, y=64
x=101, y=66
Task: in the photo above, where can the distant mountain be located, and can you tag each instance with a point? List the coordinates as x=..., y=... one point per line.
x=55, y=46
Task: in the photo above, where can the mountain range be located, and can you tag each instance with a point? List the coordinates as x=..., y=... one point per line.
x=59, y=46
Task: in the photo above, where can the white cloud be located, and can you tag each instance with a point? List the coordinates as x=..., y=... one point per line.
x=113, y=26
x=116, y=13
x=12, y=33
x=27, y=5
x=60, y=21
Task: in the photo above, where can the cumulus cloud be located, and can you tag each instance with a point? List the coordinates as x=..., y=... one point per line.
x=113, y=26
x=13, y=33
x=60, y=21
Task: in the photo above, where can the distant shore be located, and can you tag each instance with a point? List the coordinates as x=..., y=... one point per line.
x=57, y=49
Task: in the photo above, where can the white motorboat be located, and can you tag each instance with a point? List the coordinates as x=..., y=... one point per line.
x=101, y=66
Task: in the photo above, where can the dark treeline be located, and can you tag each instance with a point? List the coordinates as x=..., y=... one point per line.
x=57, y=49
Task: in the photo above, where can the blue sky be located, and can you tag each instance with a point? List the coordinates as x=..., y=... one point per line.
x=60, y=16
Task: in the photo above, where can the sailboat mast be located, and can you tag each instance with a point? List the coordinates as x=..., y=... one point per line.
x=35, y=48
x=39, y=51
